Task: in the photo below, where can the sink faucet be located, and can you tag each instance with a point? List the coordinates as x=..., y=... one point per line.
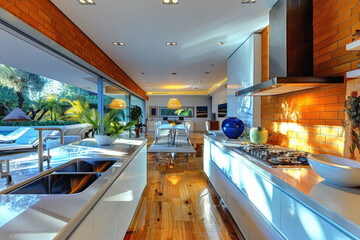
x=41, y=145
x=6, y=174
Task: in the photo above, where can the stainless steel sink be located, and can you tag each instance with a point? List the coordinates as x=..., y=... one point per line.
x=59, y=183
x=83, y=165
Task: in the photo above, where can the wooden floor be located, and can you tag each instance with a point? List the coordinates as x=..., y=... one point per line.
x=178, y=202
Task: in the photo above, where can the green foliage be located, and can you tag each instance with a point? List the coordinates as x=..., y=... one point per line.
x=34, y=123
x=136, y=116
x=52, y=103
x=109, y=126
x=77, y=108
x=135, y=113
x=22, y=83
x=352, y=108
x=8, y=98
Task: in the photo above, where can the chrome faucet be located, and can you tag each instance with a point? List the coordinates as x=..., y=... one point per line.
x=6, y=174
x=41, y=146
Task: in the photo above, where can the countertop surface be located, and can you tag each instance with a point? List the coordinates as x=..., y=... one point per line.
x=25, y=216
x=339, y=204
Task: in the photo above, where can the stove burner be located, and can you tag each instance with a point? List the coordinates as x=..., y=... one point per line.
x=276, y=156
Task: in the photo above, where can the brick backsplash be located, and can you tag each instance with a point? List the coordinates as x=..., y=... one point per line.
x=312, y=120
x=45, y=17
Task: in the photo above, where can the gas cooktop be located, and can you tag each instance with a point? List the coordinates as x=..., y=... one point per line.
x=275, y=156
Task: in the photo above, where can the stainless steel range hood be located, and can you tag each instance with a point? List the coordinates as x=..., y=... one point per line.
x=281, y=85
x=290, y=51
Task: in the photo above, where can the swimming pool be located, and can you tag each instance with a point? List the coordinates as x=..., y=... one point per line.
x=5, y=132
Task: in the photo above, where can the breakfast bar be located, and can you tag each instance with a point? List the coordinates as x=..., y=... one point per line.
x=277, y=203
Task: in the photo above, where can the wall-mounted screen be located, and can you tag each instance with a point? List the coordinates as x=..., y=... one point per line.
x=222, y=110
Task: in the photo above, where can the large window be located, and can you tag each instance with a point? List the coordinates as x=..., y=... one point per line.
x=141, y=103
x=43, y=99
x=115, y=95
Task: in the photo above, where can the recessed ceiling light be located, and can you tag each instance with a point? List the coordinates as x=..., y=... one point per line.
x=222, y=43
x=170, y=1
x=248, y=1
x=171, y=43
x=118, y=43
x=86, y=2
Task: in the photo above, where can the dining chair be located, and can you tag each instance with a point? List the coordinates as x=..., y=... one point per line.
x=160, y=133
x=186, y=133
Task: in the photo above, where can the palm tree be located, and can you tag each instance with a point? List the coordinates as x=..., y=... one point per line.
x=51, y=102
x=75, y=112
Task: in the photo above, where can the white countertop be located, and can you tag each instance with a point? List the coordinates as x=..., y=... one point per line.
x=44, y=216
x=338, y=204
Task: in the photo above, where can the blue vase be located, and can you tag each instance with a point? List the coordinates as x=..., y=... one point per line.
x=232, y=127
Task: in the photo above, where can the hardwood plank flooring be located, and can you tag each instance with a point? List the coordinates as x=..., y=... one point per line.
x=178, y=202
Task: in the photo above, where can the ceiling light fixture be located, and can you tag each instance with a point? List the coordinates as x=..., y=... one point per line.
x=171, y=43
x=174, y=103
x=222, y=43
x=86, y=2
x=117, y=103
x=170, y=1
x=118, y=43
x=248, y=1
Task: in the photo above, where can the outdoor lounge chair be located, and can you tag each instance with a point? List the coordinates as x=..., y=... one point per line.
x=27, y=142
x=11, y=137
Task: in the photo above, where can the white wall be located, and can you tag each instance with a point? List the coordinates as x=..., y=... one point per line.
x=186, y=100
x=219, y=98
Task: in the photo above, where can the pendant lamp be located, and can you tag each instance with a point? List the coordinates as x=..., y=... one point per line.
x=118, y=103
x=174, y=103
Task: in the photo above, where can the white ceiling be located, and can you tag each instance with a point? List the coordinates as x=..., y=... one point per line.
x=17, y=53
x=146, y=25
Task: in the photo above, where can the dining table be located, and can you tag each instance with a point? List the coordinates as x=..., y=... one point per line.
x=172, y=130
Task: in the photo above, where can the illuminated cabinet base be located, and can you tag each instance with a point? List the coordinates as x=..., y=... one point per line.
x=260, y=208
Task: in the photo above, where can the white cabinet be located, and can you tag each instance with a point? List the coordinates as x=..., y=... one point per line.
x=299, y=222
x=112, y=215
x=260, y=208
x=218, y=180
x=206, y=158
x=251, y=223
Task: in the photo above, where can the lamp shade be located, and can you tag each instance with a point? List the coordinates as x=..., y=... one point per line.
x=174, y=103
x=118, y=103
x=16, y=115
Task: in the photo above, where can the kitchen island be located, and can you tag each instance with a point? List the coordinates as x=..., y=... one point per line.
x=280, y=203
x=103, y=210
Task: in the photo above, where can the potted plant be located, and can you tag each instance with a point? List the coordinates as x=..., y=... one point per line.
x=352, y=106
x=107, y=131
x=136, y=116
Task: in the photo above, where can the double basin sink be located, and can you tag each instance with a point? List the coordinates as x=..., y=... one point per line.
x=69, y=178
